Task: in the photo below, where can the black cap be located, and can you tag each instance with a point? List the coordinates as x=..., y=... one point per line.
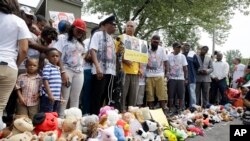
x=176, y=44
x=110, y=19
x=38, y=118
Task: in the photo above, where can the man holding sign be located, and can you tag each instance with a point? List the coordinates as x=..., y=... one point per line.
x=131, y=70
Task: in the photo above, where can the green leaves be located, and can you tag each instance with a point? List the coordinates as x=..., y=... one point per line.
x=177, y=19
x=231, y=54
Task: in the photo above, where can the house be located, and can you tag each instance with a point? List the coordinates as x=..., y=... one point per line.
x=72, y=7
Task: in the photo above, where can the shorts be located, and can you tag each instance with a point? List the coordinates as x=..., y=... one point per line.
x=155, y=87
x=176, y=88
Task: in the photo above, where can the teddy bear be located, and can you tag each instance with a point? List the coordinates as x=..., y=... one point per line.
x=25, y=136
x=48, y=136
x=225, y=116
x=113, y=117
x=137, y=113
x=199, y=123
x=76, y=135
x=44, y=122
x=22, y=124
x=90, y=125
x=76, y=113
x=68, y=126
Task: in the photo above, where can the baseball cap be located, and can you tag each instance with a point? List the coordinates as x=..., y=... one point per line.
x=109, y=20
x=27, y=10
x=62, y=25
x=176, y=44
x=80, y=24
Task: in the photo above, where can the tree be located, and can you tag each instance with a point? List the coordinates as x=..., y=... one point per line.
x=178, y=19
x=230, y=55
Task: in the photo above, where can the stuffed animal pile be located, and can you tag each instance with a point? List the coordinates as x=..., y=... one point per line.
x=110, y=125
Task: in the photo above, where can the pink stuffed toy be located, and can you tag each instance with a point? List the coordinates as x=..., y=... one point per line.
x=103, y=110
x=196, y=130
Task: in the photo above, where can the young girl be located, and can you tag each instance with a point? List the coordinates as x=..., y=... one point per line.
x=52, y=83
x=71, y=50
x=28, y=86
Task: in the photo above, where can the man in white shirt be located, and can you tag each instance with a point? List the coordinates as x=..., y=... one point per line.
x=219, y=75
x=178, y=77
x=238, y=71
x=155, y=70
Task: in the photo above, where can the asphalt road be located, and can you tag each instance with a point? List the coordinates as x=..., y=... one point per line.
x=220, y=132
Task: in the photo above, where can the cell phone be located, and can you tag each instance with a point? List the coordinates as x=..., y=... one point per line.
x=68, y=84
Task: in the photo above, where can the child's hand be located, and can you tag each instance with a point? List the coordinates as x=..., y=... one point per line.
x=62, y=100
x=35, y=97
x=51, y=98
x=22, y=101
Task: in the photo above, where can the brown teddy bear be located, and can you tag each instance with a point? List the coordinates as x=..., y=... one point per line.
x=76, y=135
x=68, y=126
x=91, y=124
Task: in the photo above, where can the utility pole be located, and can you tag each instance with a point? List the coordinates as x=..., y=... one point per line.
x=213, y=46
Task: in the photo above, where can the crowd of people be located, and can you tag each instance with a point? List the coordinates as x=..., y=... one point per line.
x=43, y=69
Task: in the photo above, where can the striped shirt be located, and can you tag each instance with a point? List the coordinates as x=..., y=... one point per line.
x=52, y=74
x=29, y=86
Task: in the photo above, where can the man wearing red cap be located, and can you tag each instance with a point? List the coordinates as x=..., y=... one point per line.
x=104, y=64
x=71, y=48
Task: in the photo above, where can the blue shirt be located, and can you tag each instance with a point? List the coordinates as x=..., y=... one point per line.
x=52, y=74
x=193, y=66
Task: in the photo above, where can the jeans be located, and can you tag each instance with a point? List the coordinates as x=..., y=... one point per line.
x=47, y=106
x=192, y=94
x=86, y=91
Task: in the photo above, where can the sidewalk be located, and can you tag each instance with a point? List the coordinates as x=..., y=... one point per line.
x=220, y=132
